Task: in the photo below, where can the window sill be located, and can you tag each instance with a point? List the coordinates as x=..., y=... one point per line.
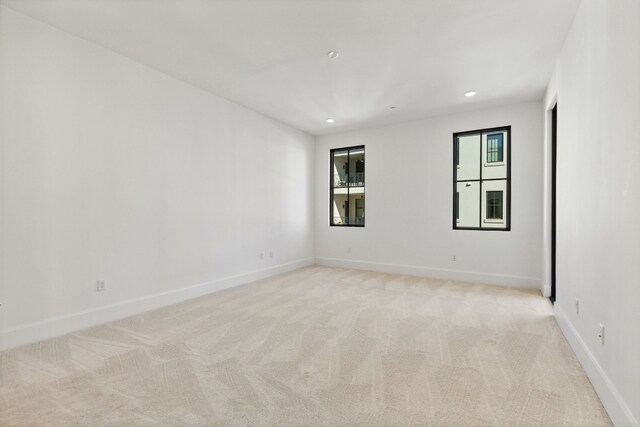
x=493, y=221
x=493, y=164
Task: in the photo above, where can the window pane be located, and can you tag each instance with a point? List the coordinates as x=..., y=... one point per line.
x=340, y=159
x=494, y=155
x=356, y=167
x=494, y=204
x=468, y=204
x=468, y=151
x=357, y=201
x=340, y=207
x=494, y=148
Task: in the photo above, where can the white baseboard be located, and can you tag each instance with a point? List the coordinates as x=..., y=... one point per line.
x=615, y=405
x=437, y=273
x=546, y=291
x=53, y=327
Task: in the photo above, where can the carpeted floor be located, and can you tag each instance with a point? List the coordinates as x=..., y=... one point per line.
x=318, y=346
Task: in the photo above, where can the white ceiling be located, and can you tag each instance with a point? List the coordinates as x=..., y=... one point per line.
x=270, y=55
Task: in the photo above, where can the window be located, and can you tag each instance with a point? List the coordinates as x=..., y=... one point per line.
x=346, y=187
x=494, y=204
x=482, y=179
x=494, y=148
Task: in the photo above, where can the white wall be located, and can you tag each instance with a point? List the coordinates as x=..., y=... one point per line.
x=409, y=201
x=597, y=86
x=112, y=170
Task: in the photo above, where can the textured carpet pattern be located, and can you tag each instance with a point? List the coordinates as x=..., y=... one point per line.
x=318, y=346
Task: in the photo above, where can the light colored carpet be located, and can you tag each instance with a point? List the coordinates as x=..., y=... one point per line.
x=318, y=346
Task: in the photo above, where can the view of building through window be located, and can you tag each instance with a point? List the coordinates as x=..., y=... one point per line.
x=347, y=202
x=482, y=175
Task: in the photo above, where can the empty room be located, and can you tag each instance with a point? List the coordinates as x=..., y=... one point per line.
x=320, y=213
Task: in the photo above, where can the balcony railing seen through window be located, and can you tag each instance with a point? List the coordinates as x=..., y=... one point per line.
x=346, y=187
x=339, y=220
x=353, y=180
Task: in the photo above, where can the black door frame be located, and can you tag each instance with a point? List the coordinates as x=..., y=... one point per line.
x=554, y=163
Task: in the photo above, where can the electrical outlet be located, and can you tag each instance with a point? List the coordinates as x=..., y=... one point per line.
x=261, y=255
x=453, y=258
x=270, y=254
x=601, y=333
x=577, y=306
x=348, y=250
x=101, y=285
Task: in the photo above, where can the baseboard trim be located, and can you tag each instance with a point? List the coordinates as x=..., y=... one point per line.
x=53, y=327
x=546, y=291
x=612, y=401
x=438, y=273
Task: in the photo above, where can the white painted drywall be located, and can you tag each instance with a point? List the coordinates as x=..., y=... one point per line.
x=409, y=201
x=597, y=86
x=112, y=170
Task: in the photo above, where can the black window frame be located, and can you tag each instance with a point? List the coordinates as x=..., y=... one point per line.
x=506, y=208
x=332, y=185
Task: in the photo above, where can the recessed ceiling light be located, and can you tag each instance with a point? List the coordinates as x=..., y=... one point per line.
x=470, y=93
x=332, y=54
x=330, y=120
